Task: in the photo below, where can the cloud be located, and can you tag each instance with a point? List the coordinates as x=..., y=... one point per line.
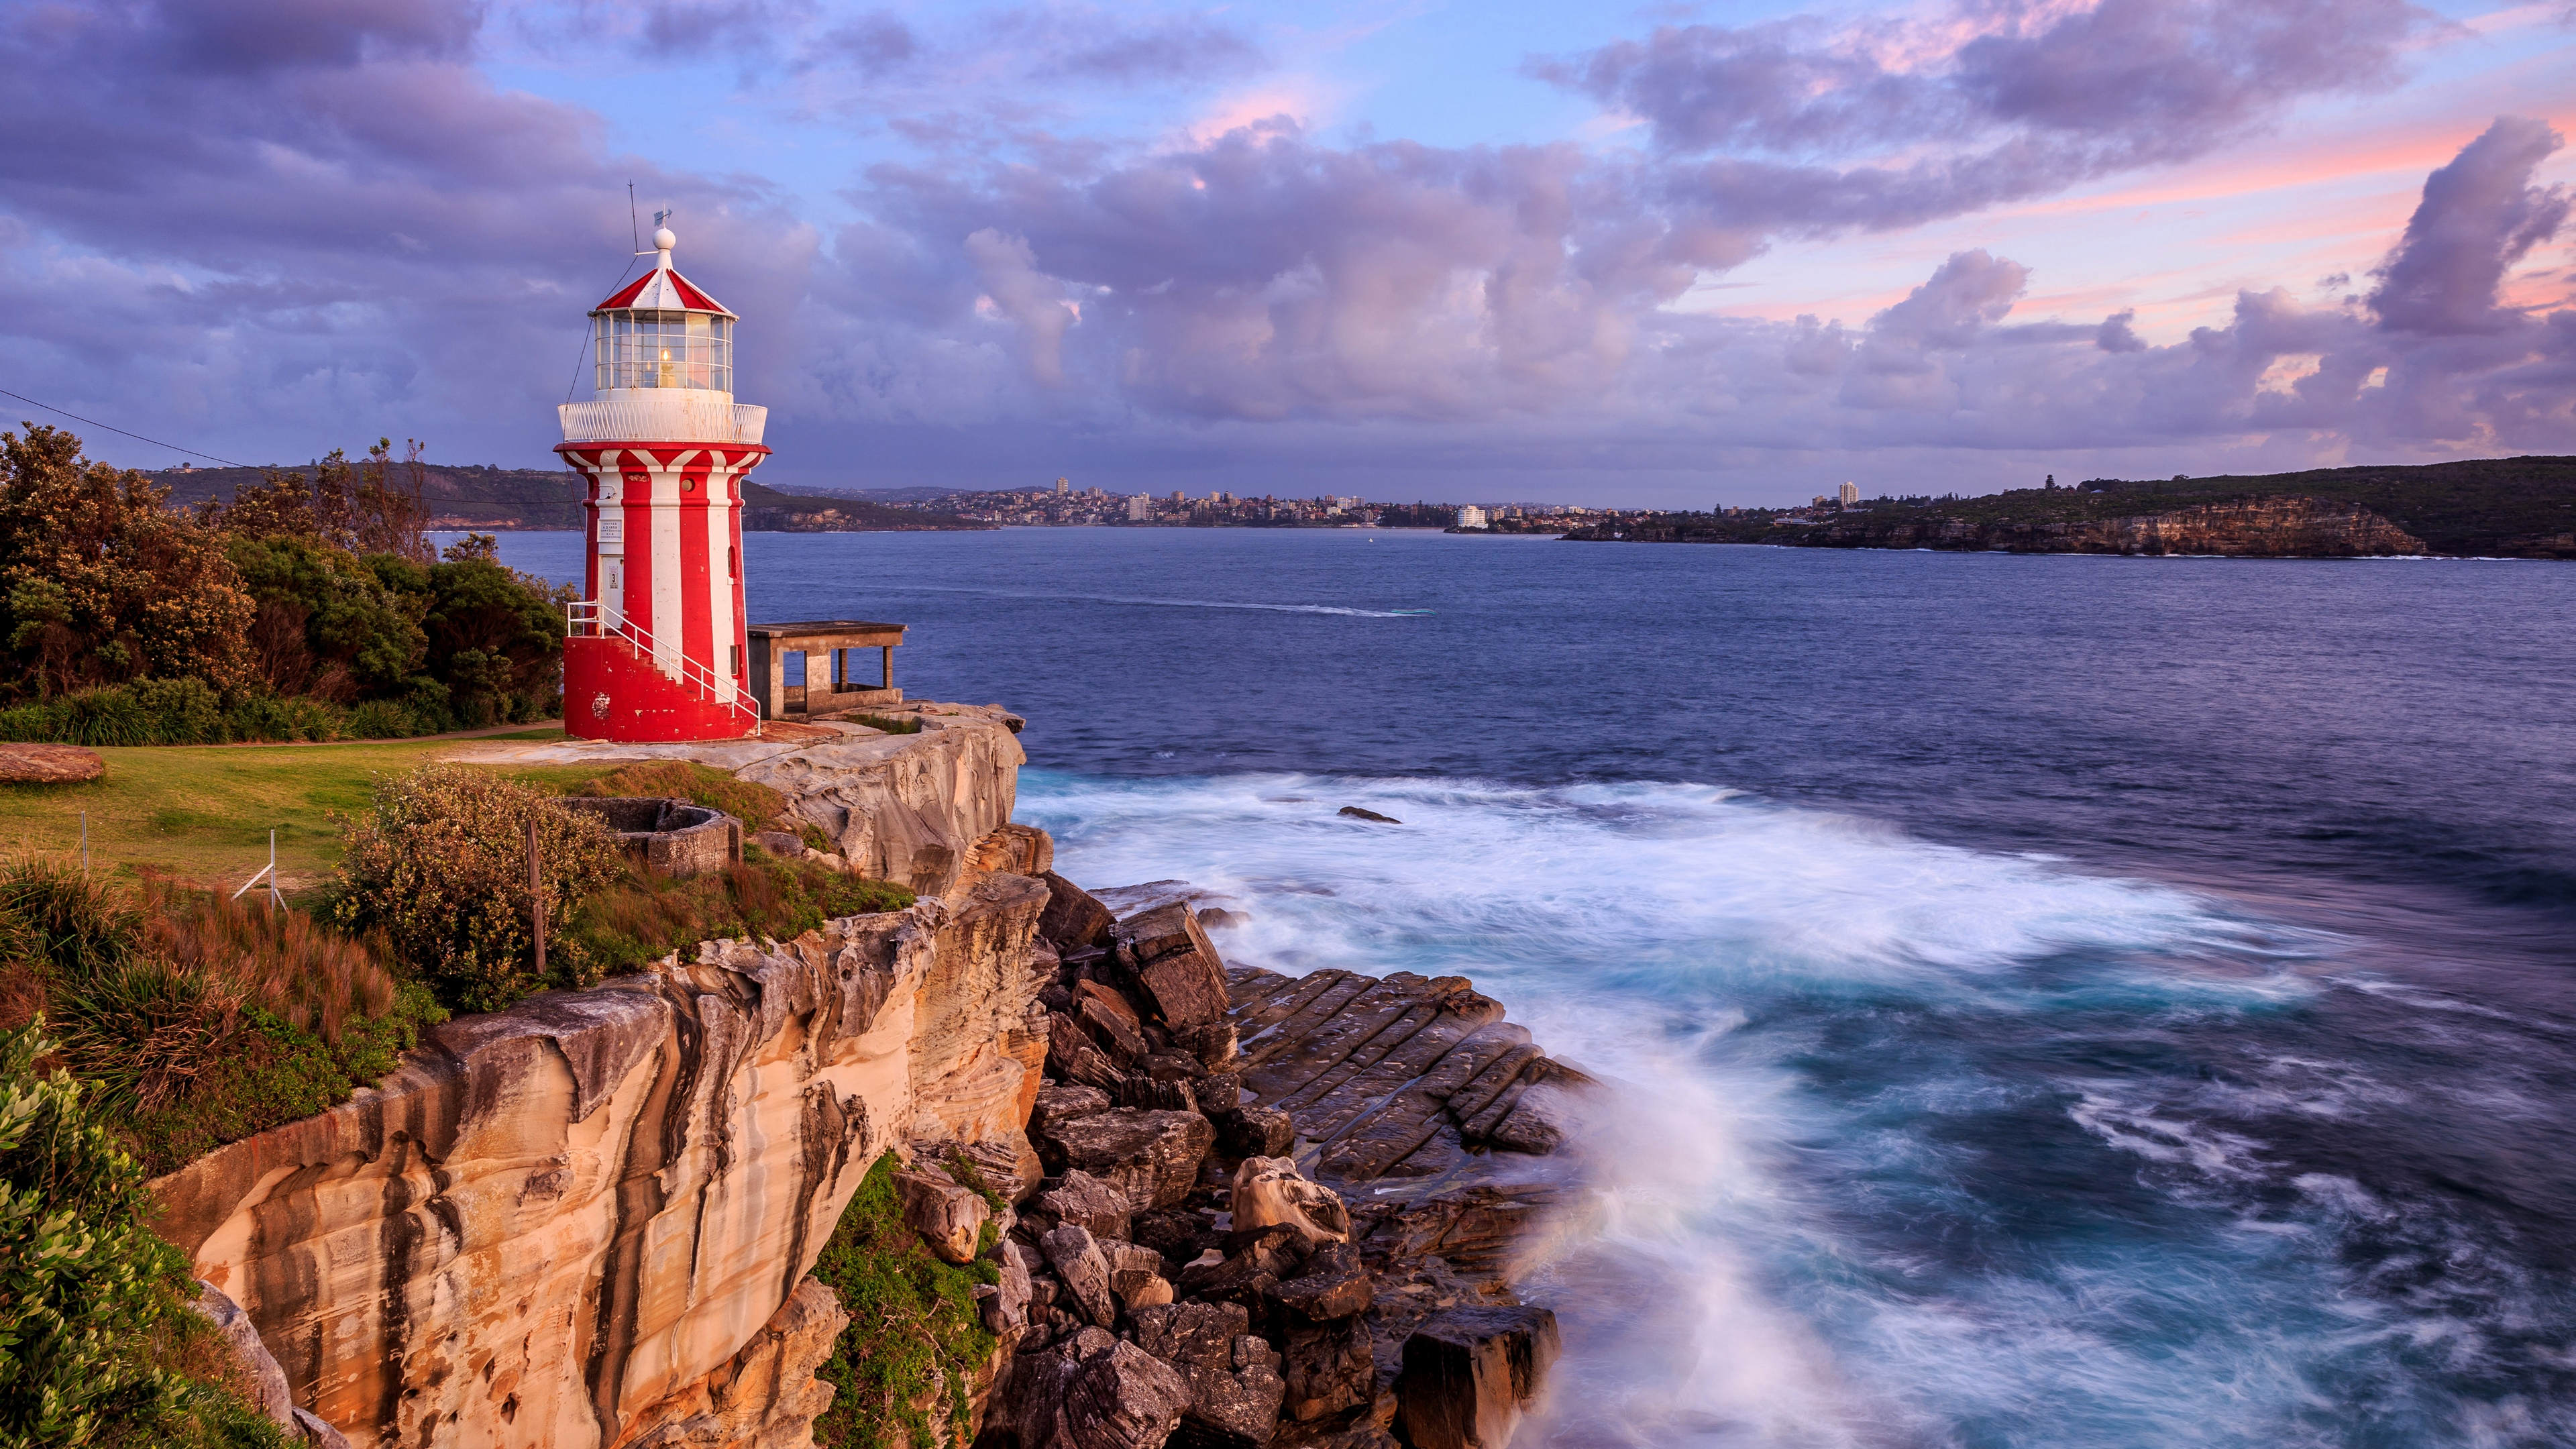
x=2480, y=216
x=2015, y=100
x=276, y=243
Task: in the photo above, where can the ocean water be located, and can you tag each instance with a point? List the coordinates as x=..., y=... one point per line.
x=2052, y=1001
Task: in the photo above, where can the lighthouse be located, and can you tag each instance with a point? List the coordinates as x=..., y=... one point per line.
x=655, y=648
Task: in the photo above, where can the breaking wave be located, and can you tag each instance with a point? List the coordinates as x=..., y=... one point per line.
x=1914, y=1144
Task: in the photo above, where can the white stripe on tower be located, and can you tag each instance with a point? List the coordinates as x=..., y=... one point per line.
x=719, y=577
x=667, y=601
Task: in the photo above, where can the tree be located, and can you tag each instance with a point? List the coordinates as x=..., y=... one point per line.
x=99, y=584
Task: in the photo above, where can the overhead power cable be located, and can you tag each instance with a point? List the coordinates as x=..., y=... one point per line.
x=138, y=437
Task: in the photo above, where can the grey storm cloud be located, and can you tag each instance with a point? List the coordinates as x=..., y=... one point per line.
x=248, y=230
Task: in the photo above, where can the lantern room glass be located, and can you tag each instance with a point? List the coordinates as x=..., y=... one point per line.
x=664, y=349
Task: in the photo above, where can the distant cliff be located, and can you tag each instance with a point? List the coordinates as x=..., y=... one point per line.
x=2248, y=528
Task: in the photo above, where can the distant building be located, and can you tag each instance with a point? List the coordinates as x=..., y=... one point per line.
x=1471, y=517
x=1064, y=485
x=1850, y=494
x=1179, y=497
x=1139, y=508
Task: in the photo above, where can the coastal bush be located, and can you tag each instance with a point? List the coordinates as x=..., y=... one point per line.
x=438, y=865
x=645, y=916
x=95, y=1333
x=900, y=1370
x=197, y=1020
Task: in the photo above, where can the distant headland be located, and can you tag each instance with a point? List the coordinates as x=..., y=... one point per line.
x=2479, y=508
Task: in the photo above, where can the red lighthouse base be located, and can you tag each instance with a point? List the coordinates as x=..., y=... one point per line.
x=612, y=691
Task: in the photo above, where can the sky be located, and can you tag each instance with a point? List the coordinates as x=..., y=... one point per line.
x=1669, y=256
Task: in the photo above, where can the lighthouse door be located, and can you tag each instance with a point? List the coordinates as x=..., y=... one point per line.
x=612, y=591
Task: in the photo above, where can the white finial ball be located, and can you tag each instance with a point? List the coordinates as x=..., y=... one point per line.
x=663, y=239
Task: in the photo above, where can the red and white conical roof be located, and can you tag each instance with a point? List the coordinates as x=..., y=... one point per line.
x=662, y=289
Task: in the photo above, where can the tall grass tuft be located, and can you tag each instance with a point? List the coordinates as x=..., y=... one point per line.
x=64, y=922
x=282, y=961
x=146, y=1031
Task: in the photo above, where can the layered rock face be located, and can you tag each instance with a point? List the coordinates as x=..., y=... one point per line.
x=575, y=1222
x=2244, y=528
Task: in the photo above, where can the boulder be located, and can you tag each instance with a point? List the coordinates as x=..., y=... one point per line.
x=1176, y=964
x=1072, y=1056
x=1005, y=1305
x=785, y=844
x=1213, y=1045
x=259, y=1371
x=1110, y=1021
x=1074, y=918
x=1218, y=918
x=1079, y=1197
x=1251, y=1274
x=1538, y=1123
x=1084, y=1271
x=1469, y=1372
x=1329, y=1368
x=1137, y=1090
x=1233, y=1376
x=1270, y=1191
x=1332, y=1283
x=1256, y=1132
x=1151, y=1158
x=1357, y=813
x=1179, y=1234
x=1064, y=1101
x=1136, y=1275
x=1092, y=1391
x=26, y=764
x=949, y=1216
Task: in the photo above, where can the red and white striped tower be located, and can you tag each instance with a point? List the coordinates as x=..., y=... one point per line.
x=656, y=647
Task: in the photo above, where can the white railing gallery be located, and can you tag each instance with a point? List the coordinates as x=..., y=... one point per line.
x=663, y=415
x=585, y=618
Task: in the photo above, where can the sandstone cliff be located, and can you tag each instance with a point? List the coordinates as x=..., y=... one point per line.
x=567, y=1224
x=902, y=807
x=2245, y=528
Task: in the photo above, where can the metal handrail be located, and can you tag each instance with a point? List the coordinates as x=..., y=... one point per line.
x=579, y=613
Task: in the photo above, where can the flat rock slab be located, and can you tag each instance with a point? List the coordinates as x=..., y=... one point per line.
x=28, y=764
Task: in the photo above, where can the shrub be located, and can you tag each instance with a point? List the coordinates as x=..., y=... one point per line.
x=93, y=1297
x=914, y=1337
x=893, y=724
x=382, y=719
x=69, y=926
x=146, y=1030
x=646, y=916
x=439, y=865
x=183, y=711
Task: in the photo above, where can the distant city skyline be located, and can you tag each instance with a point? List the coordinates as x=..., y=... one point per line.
x=1715, y=255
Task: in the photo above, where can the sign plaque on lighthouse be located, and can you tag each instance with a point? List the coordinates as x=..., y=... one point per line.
x=656, y=647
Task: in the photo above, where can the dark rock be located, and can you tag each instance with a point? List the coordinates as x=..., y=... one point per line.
x=1005, y=1305
x=1143, y=1091
x=1172, y=1064
x=1469, y=1372
x=1220, y=1092
x=1110, y=1020
x=1179, y=1234
x=1136, y=1275
x=1064, y=1101
x=1176, y=965
x=1234, y=1381
x=1356, y=813
x=1074, y=918
x=1218, y=918
x=1256, y=1132
x=1213, y=1045
x=1328, y=1368
x=781, y=843
x=1084, y=1271
x=1072, y=1056
x=1332, y=1283
x=1251, y=1273
x=1080, y=1198
x=1150, y=1158
x=1092, y=1391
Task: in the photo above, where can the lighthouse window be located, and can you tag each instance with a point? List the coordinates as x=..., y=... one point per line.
x=665, y=349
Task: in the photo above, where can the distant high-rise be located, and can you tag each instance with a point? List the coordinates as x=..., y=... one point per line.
x=1179, y=497
x=1064, y=485
x=1851, y=494
x=1471, y=517
x=1139, y=508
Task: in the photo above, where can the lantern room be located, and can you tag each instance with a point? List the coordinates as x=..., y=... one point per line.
x=662, y=332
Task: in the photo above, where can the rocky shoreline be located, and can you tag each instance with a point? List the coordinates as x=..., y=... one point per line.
x=1298, y=1199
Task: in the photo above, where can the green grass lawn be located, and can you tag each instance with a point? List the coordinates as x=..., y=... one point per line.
x=203, y=812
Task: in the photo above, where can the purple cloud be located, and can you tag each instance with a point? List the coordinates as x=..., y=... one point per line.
x=2480, y=216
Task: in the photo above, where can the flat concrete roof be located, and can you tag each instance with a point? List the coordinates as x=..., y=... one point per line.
x=823, y=626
